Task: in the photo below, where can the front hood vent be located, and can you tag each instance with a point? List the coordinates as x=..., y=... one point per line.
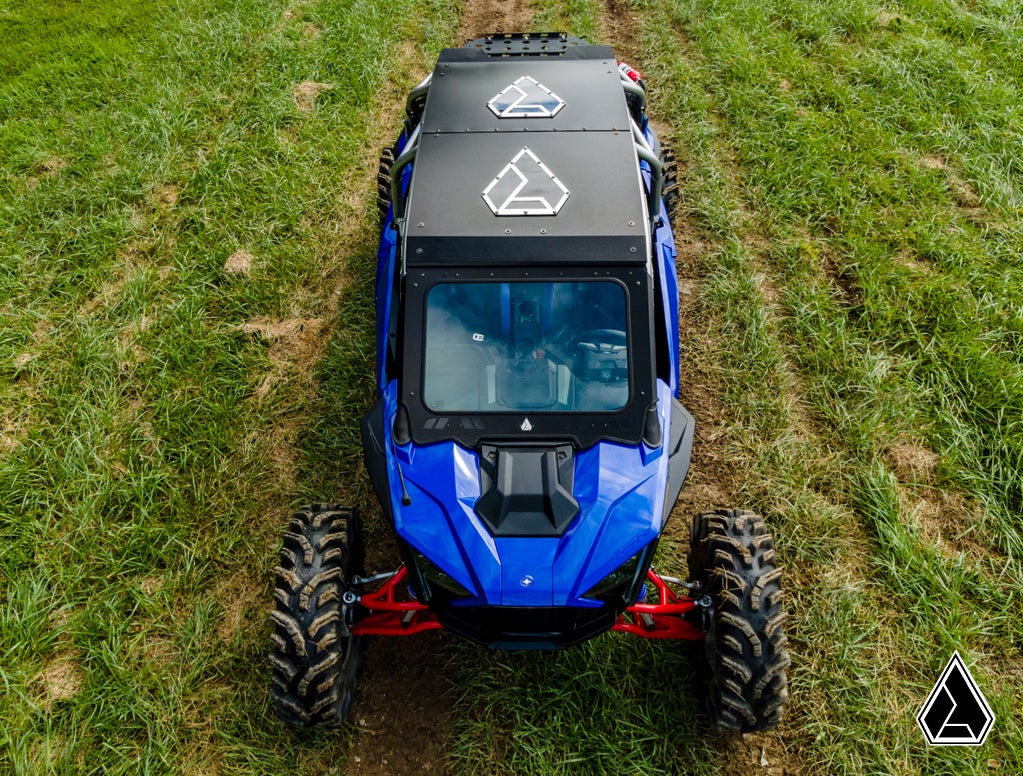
x=527, y=490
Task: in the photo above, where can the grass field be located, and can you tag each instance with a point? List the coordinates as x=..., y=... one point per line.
x=187, y=252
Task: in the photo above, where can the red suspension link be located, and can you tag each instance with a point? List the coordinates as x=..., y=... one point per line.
x=389, y=616
x=662, y=620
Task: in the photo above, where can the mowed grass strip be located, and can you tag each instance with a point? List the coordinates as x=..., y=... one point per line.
x=184, y=216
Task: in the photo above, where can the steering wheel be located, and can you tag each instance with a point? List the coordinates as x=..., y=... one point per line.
x=600, y=341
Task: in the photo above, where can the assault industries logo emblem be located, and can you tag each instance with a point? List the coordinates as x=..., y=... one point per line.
x=525, y=187
x=956, y=713
x=526, y=98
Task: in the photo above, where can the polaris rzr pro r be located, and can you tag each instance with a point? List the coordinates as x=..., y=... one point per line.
x=528, y=444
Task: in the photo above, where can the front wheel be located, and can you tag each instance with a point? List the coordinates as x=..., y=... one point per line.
x=745, y=657
x=314, y=657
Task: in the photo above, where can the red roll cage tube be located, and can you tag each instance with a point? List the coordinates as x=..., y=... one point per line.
x=390, y=616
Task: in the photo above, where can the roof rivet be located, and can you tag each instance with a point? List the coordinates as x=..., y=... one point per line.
x=631, y=223
x=419, y=251
x=421, y=224
x=631, y=250
x=507, y=231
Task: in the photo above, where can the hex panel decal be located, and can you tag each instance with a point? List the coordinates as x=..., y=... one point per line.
x=525, y=187
x=526, y=98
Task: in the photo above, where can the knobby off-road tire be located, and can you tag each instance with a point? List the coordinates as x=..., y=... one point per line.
x=744, y=675
x=314, y=659
x=669, y=177
x=384, y=182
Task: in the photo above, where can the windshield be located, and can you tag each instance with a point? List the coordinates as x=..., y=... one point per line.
x=548, y=346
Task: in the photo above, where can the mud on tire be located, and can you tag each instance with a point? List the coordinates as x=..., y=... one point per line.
x=745, y=680
x=314, y=659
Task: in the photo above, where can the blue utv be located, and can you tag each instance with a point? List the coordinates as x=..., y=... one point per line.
x=528, y=444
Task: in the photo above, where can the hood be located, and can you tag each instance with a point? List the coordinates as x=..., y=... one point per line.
x=535, y=525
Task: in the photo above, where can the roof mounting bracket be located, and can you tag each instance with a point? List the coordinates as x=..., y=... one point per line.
x=397, y=168
x=644, y=152
x=416, y=102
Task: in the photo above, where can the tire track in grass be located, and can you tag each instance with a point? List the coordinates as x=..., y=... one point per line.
x=791, y=464
x=480, y=17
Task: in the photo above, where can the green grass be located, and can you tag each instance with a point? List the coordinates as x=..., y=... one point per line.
x=852, y=173
x=150, y=446
x=852, y=167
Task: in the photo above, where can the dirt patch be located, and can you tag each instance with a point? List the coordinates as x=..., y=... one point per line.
x=129, y=352
x=947, y=521
x=888, y=19
x=306, y=92
x=965, y=195
x=8, y=441
x=239, y=263
x=295, y=344
x=47, y=168
x=239, y=595
x=51, y=166
x=40, y=336
x=754, y=754
x=23, y=359
x=295, y=12
x=277, y=444
x=60, y=680
x=151, y=585
x=402, y=710
x=480, y=17
x=403, y=707
x=912, y=463
x=166, y=196
x=619, y=27
x=292, y=340
x=911, y=261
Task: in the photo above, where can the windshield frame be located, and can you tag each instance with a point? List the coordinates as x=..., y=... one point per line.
x=582, y=427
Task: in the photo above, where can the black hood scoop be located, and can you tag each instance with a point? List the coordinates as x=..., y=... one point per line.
x=527, y=489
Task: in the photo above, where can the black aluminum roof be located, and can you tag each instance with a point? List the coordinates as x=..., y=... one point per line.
x=526, y=160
